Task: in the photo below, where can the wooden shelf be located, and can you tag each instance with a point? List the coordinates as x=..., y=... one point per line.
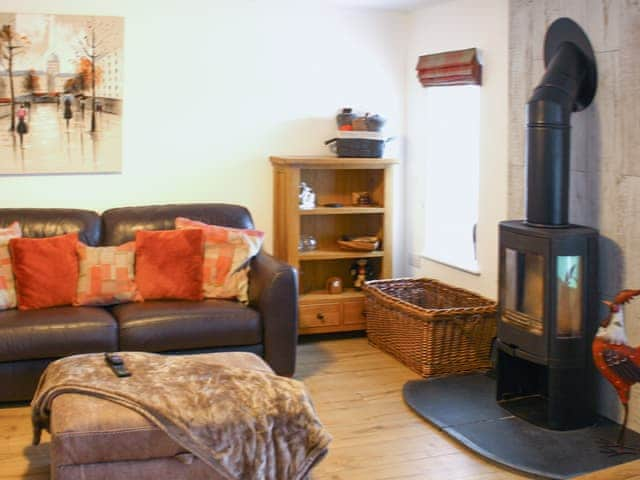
x=330, y=162
x=320, y=295
x=342, y=210
x=334, y=181
x=337, y=255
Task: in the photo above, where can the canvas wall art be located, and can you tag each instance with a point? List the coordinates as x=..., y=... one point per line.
x=60, y=93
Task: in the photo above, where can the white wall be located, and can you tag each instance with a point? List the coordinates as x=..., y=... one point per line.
x=212, y=88
x=453, y=25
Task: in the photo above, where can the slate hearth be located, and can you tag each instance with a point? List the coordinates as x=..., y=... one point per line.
x=465, y=408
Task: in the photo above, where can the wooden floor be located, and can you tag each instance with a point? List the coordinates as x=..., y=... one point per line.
x=357, y=392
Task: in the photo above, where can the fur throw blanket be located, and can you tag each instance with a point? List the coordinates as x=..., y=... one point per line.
x=242, y=423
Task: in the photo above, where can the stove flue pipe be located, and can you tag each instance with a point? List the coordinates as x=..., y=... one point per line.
x=568, y=85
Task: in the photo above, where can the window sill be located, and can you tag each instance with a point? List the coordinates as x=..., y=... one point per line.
x=473, y=271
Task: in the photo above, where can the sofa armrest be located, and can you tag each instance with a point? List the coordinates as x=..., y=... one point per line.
x=273, y=291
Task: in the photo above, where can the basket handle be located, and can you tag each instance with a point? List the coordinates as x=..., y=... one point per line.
x=333, y=144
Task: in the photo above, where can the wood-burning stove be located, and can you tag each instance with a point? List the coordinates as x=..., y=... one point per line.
x=546, y=323
x=548, y=290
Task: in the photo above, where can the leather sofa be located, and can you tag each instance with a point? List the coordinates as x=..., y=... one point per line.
x=31, y=339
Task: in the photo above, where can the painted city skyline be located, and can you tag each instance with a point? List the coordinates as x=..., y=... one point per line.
x=61, y=93
x=54, y=44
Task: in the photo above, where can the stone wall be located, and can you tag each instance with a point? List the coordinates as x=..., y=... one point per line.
x=605, y=156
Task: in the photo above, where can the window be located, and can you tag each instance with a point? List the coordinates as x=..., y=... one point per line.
x=450, y=148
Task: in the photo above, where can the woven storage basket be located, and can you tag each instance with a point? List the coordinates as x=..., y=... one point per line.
x=431, y=327
x=359, y=144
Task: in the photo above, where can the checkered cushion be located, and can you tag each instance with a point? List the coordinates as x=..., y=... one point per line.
x=106, y=275
x=227, y=252
x=7, y=283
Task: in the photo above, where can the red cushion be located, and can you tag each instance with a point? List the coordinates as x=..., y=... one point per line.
x=169, y=264
x=45, y=269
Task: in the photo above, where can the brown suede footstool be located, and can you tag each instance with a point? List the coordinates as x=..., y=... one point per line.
x=94, y=439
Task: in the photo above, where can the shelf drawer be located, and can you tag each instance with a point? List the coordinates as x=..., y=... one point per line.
x=320, y=315
x=353, y=312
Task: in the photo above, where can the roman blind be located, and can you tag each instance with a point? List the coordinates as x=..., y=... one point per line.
x=459, y=67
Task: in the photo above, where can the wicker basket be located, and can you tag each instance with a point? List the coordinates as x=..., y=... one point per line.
x=358, y=147
x=359, y=144
x=431, y=327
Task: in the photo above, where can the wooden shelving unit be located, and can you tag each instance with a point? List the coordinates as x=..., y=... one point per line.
x=336, y=254
x=342, y=211
x=333, y=180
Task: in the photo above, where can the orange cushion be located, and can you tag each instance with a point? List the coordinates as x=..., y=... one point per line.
x=46, y=270
x=7, y=285
x=169, y=264
x=227, y=252
x=106, y=275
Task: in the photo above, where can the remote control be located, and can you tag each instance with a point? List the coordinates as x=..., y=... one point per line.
x=116, y=363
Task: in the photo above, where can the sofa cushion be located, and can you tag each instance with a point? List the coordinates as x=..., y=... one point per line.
x=165, y=325
x=227, y=252
x=169, y=264
x=120, y=224
x=49, y=222
x=45, y=269
x=106, y=275
x=7, y=284
x=56, y=332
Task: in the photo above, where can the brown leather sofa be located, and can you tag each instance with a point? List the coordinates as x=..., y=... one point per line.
x=30, y=340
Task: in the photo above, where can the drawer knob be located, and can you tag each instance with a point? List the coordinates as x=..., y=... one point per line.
x=320, y=316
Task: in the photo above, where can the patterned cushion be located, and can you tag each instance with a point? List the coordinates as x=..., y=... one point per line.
x=227, y=252
x=106, y=275
x=7, y=284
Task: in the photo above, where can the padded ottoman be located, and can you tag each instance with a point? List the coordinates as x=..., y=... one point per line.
x=94, y=439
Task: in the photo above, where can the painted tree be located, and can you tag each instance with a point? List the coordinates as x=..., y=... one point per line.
x=11, y=44
x=97, y=42
x=32, y=82
x=70, y=85
x=87, y=73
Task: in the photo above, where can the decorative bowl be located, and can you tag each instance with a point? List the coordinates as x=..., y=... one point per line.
x=359, y=244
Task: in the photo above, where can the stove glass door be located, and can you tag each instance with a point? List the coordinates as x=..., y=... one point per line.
x=569, y=296
x=524, y=290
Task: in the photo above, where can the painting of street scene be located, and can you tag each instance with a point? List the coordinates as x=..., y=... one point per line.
x=60, y=93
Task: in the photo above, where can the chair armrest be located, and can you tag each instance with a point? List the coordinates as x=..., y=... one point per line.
x=273, y=291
